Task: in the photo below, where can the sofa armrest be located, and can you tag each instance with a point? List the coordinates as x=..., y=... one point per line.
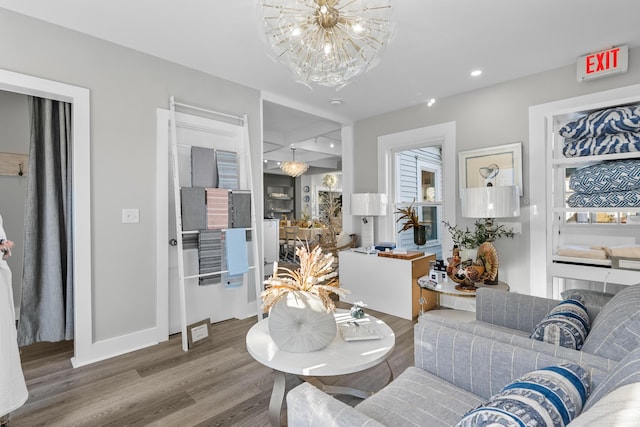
x=309, y=406
x=512, y=310
x=475, y=363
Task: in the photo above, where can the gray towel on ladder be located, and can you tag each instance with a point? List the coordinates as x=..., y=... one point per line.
x=194, y=209
x=190, y=241
x=203, y=167
x=240, y=208
x=210, y=256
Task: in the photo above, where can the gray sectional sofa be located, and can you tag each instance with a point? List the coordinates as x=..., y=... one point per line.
x=461, y=365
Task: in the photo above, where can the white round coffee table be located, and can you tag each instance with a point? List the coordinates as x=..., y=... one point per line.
x=338, y=358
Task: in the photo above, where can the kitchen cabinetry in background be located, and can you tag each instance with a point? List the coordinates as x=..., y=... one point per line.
x=279, y=196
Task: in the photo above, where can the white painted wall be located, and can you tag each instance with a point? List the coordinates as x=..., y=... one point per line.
x=487, y=117
x=14, y=138
x=315, y=185
x=126, y=88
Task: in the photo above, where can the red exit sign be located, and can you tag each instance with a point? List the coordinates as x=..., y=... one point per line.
x=603, y=63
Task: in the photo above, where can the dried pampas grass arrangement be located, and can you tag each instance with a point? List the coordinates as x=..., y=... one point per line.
x=316, y=275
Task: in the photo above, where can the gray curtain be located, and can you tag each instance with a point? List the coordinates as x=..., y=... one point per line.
x=46, y=312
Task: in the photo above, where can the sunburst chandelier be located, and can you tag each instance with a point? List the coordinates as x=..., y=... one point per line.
x=327, y=42
x=294, y=168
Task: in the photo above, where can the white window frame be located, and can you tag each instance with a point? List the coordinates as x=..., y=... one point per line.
x=443, y=135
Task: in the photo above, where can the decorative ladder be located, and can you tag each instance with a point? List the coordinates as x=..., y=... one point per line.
x=245, y=155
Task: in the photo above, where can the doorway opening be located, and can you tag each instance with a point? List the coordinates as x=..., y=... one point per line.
x=84, y=347
x=320, y=141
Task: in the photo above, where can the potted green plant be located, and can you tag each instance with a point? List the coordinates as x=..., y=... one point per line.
x=472, y=239
x=410, y=217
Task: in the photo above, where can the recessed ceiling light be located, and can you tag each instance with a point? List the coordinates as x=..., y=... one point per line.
x=431, y=102
x=476, y=73
x=332, y=145
x=266, y=161
x=336, y=101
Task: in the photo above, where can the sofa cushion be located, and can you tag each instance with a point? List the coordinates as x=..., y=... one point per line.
x=620, y=408
x=310, y=406
x=511, y=310
x=502, y=329
x=627, y=371
x=551, y=396
x=593, y=300
x=566, y=325
x=498, y=334
x=419, y=398
x=616, y=330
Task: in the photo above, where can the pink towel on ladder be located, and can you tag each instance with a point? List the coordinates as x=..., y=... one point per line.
x=217, y=208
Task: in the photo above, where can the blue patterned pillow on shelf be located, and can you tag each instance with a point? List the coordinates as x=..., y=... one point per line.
x=618, y=175
x=603, y=122
x=614, y=199
x=601, y=145
x=551, y=396
x=566, y=325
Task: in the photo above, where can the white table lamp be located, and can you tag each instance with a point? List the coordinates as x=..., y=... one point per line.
x=368, y=205
x=490, y=203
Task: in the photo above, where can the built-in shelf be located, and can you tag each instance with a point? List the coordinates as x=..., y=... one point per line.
x=587, y=227
x=588, y=160
x=279, y=196
x=582, y=261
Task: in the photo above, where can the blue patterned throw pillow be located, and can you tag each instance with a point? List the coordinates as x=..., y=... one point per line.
x=619, y=175
x=603, y=122
x=567, y=324
x=551, y=396
x=612, y=199
x=626, y=142
x=593, y=300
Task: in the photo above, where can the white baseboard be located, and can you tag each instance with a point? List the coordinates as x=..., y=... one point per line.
x=117, y=346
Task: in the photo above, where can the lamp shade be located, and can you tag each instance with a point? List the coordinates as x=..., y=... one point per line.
x=368, y=204
x=491, y=202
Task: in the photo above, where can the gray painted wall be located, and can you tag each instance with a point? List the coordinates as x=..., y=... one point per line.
x=126, y=88
x=14, y=138
x=487, y=117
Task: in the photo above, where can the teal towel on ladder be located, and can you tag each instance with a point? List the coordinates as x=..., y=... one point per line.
x=236, y=244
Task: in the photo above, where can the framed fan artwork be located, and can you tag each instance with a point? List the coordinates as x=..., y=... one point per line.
x=494, y=166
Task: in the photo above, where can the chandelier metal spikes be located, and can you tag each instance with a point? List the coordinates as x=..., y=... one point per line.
x=294, y=168
x=327, y=42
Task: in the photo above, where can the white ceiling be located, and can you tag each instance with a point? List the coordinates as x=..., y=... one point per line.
x=437, y=44
x=317, y=141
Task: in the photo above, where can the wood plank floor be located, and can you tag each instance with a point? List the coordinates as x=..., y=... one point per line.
x=214, y=384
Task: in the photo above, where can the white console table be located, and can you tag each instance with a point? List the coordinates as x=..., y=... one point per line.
x=388, y=285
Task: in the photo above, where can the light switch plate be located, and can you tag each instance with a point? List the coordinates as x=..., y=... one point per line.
x=130, y=216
